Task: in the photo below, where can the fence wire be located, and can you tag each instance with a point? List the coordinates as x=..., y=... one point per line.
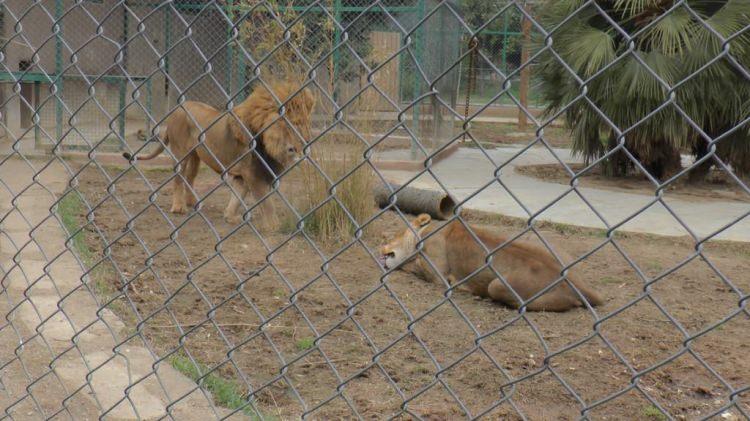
x=117, y=308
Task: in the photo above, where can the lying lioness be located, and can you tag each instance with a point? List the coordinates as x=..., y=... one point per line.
x=453, y=251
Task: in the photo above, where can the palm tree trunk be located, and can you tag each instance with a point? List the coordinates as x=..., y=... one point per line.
x=665, y=161
x=617, y=164
x=699, y=173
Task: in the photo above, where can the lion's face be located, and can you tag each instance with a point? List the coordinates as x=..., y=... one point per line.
x=300, y=116
x=282, y=137
x=400, y=248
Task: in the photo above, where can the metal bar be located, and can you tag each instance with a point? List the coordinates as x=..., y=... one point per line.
x=149, y=104
x=167, y=46
x=58, y=71
x=337, y=13
x=282, y=8
x=418, y=47
x=229, y=59
x=123, y=82
x=505, y=43
x=36, y=116
x=50, y=78
x=523, y=89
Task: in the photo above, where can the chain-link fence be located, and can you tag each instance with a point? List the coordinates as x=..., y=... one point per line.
x=593, y=267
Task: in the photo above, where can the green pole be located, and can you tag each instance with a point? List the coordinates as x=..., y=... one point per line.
x=418, y=47
x=167, y=44
x=149, y=104
x=123, y=82
x=505, y=42
x=337, y=53
x=241, y=70
x=230, y=48
x=58, y=71
x=37, y=120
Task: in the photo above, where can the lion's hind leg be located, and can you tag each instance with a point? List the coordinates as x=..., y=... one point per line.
x=178, y=194
x=192, y=165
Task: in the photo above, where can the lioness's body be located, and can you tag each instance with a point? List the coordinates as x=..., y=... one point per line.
x=454, y=252
x=198, y=132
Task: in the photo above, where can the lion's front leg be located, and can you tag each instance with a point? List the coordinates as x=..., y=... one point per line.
x=231, y=213
x=268, y=218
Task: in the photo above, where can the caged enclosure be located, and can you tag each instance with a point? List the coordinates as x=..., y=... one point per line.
x=118, y=69
x=131, y=289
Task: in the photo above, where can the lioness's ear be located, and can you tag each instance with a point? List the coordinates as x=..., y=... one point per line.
x=422, y=220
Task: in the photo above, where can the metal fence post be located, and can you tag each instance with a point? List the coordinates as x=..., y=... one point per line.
x=124, y=80
x=167, y=45
x=230, y=49
x=337, y=13
x=36, y=117
x=505, y=43
x=416, y=119
x=58, y=71
x=523, y=89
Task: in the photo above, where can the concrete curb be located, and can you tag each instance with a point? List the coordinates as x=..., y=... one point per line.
x=64, y=332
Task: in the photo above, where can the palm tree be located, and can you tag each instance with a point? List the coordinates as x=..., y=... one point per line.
x=659, y=50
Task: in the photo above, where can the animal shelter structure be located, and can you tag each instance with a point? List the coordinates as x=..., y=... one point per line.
x=109, y=71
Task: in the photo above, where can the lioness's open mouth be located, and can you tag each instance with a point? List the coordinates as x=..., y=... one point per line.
x=384, y=259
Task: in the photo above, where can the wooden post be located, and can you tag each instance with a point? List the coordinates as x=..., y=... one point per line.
x=523, y=89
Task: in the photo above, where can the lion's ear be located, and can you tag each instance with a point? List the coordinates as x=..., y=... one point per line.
x=422, y=220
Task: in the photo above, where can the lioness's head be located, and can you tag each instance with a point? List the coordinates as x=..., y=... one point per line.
x=260, y=113
x=398, y=249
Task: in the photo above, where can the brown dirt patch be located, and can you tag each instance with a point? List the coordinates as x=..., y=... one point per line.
x=491, y=134
x=717, y=186
x=196, y=280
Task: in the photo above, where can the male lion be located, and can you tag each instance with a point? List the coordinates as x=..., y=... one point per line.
x=456, y=255
x=226, y=140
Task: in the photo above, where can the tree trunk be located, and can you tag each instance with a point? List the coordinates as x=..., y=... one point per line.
x=700, y=172
x=617, y=164
x=437, y=204
x=664, y=162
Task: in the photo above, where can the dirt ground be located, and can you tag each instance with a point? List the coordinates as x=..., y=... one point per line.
x=202, y=283
x=492, y=134
x=716, y=186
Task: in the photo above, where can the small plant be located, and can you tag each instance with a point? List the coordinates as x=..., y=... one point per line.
x=352, y=191
x=654, y=413
x=225, y=392
x=69, y=209
x=305, y=343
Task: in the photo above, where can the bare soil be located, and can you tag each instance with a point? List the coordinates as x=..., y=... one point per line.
x=296, y=320
x=493, y=134
x=717, y=186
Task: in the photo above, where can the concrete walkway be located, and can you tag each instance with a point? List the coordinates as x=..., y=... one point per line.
x=60, y=353
x=467, y=170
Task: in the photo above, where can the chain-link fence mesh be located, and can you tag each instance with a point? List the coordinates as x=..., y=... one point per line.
x=125, y=299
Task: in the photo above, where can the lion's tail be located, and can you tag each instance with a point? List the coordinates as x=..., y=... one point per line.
x=152, y=155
